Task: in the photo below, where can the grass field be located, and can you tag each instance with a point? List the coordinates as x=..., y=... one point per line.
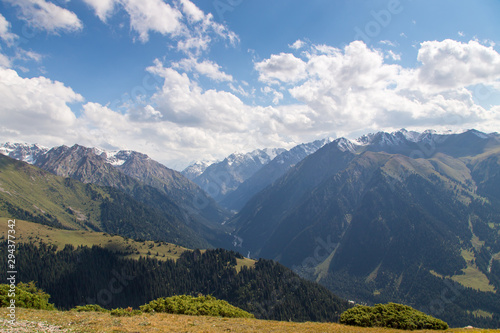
x=36, y=233
x=92, y=322
x=472, y=277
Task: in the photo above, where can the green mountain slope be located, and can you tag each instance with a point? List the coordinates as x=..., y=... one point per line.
x=29, y=193
x=381, y=226
x=146, y=181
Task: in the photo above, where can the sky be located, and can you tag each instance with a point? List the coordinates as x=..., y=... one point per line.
x=188, y=80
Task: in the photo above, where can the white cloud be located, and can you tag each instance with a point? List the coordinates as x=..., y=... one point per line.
x=5, y=61
x=394, y=56
x=182, y=101
x=194, y=13
x=44, y=15
x=33, y=106
x=353, y=88
x=388, y=43
x=239, y=90
x=181, y=20
x=199, y=30
x=208, y=68
x=102, y=8
x=5, y=34
x=277, y=96
x=450, y=64
x=297, y=45
x=28, y=55
x=153, y=15
x=284, y=67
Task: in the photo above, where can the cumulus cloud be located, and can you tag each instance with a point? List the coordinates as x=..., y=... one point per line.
x=297, y=45
x=35, y=105
x=353, y=88
x=152, y=15
x=208, y=68
x=182, y=20
x=450, y=64
x=102, y=8
x=194, y=13
x=183, y=101
x=44, y=15
x=284, y=67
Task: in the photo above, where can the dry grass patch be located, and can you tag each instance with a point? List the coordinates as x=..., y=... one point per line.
x=93, y=322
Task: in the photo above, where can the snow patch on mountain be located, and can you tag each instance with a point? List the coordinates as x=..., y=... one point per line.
x=117, y=158
x=28, y=153
x=196, y=168
x=345, y=145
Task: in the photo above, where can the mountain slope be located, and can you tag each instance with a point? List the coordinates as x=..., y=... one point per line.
x=258, y=220
x=269, y=173
x=182, y=191
x=136, y=174
x=369, y=220
x=221, y=178
x=30, y=193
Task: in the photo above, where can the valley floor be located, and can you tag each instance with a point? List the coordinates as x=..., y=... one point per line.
x=59, y=321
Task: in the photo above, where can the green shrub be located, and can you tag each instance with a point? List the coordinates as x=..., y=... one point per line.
x=196, y=306
x=129, y=312
x=89, y=308
x=391, y=315
x=27, y=295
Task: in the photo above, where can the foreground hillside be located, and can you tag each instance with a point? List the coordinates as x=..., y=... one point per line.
x=106, y=274
x=102, y=322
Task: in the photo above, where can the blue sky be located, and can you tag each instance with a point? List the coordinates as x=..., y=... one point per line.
x=187, y=80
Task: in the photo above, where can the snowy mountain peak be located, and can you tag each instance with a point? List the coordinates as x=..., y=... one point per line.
x=196, y=168
x=22, y=151
x=345, y=145
x=260, y=156
x=394, y=138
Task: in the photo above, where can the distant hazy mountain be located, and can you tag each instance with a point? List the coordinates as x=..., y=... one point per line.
x=400, y=216
x=269, y=173
x=221, y=178
x=195, y=169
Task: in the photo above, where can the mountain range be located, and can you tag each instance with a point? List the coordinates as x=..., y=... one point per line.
x=390, y=217
x=219, y=179
x=233, y=181
x=409, y=217
x=135, y=175
x=30, y=193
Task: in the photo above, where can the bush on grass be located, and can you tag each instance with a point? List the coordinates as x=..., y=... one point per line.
x=196, y=306
x=26, y=295
x=391, y=315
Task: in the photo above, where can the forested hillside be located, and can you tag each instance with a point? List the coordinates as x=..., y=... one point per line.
x=76, y=276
